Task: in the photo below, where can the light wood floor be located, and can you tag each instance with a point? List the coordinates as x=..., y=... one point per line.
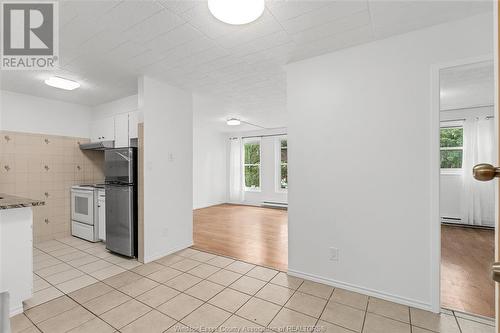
x=466, y=258
x=253, y=234
x=259, y=235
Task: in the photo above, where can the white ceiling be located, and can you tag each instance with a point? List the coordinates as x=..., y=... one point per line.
x=105, y=45
x=467, y=86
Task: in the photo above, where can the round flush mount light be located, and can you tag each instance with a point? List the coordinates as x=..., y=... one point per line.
x=236, y=11
x=233, y=122
x=62, y=83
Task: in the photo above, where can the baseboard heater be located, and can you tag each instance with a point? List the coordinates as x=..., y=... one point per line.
x=457, y=222
x=445, y=219
x=272, y=204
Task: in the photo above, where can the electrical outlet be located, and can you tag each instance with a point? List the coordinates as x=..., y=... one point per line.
x=334, y=254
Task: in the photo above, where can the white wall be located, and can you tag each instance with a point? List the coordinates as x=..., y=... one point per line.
x=360, y=161
x=168, y=174
x=31, y=114
x=269, y=176
x=451, y=186
x=122, y=105
x=209, y=160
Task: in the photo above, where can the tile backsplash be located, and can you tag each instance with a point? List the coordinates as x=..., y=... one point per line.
x=45, y=167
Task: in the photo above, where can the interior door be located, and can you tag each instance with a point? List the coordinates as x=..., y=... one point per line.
x=487, y=172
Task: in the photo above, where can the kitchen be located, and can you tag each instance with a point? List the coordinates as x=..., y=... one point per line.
x=58, y=171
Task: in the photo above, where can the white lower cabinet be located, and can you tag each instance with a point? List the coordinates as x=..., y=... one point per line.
x=101, y=206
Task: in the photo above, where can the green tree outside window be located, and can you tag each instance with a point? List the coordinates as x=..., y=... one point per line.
x=252, y=165
x=451, y=143
x=284, y=164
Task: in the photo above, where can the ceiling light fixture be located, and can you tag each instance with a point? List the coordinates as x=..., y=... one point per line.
x=233, y=122
x=61, y=83
x=236, y=12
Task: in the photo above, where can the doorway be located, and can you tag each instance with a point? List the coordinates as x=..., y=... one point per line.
x=252, y=223
x=467, y=206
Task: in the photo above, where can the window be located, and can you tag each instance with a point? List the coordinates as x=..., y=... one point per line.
x=252, y=165
x=451, y=143
x=283, y=164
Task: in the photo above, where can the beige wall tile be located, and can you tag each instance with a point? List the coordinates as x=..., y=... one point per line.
x=23, y=161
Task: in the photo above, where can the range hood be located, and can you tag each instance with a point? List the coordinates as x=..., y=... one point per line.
x=101, y=145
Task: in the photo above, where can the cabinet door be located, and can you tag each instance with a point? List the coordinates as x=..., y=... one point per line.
x=95, y=131
x=121, y=130
x=108, y=129
x=133, y=122
x=102, y=130
x=102, y=217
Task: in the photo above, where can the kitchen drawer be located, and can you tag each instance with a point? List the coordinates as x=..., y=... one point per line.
x=82, y=230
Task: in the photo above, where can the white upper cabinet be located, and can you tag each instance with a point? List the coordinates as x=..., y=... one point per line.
x=133, y=122
x=102, y=129
x=121, y=130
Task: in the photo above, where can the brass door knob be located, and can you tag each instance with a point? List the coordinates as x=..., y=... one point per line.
x=485, y=172
x=495, y=271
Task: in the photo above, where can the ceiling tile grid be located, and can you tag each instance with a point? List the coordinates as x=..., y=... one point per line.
x=107, y=44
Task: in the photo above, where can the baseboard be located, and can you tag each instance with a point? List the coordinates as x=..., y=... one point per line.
x=168, y=252
x=209, y=204
x=16, y=310
x=244, y=203
x=362, y=290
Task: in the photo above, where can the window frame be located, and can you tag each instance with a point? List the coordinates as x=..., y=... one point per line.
x=277, y=177
x=244, y=142
x=451, y=124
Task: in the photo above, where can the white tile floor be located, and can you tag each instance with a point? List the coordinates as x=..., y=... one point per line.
x=81, y=287
x=65, y=265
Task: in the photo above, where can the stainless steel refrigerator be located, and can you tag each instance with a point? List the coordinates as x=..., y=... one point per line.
x=120, y=171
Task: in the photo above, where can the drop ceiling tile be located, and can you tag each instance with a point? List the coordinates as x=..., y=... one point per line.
x=76, y=32
x=129, y=13
x=202, y=57
x=285, y=10
x=179, y=6
x=349, y=38
x=200, y=17
x=155, y=25
x=106, y=44
x=183, y=51
x=262, y=44
x=264, y=26
x=101, y=43
x=125, y=50
x=84, y=9
x=323, y=15
x=391, y=18
x=173, y=38
x=144, y=59
x=334, y=27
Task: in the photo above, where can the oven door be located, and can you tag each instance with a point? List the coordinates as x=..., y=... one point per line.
x=82, y=206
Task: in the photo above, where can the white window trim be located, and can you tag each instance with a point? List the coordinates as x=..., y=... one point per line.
x=452, y=171
x=252, y=189
x=277, y=177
